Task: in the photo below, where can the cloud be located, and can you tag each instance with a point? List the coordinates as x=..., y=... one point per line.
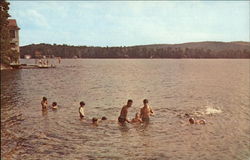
x=37, y=18
x=128, y=23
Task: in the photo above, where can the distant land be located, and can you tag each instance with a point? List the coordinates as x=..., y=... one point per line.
x=207, y=49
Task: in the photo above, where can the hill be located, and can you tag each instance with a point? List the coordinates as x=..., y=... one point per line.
x=208, y=49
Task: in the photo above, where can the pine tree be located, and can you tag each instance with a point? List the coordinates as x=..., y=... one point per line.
x=5, y=50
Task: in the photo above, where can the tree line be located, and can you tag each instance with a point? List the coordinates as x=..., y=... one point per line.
x=67, y=51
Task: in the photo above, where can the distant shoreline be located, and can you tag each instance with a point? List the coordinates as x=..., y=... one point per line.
x=197, y=50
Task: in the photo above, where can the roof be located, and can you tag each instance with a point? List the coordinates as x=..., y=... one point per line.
x=12, y=24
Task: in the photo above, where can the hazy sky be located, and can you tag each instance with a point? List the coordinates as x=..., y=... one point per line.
x=123, y=23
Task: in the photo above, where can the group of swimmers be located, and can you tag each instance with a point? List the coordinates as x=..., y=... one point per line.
x=45, y=105
x=141, y=117
x=145, y=112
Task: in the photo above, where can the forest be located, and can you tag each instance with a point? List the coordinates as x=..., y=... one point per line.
x=185, y=50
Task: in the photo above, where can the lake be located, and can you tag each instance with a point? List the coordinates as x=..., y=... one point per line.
x=216, y=90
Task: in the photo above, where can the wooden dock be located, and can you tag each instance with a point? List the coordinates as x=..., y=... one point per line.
x=31, y=66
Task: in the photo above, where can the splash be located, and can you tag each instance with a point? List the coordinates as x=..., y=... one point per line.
x=211, y=110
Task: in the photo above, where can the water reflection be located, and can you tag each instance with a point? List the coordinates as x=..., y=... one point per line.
x=45, y=113
x=123, y=129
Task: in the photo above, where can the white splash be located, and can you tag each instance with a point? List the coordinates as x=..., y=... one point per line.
x=211, y=110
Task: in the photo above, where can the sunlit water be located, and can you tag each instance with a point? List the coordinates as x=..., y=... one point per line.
x=215, y=90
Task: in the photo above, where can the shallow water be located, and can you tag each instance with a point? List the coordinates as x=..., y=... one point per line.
x=215, y=90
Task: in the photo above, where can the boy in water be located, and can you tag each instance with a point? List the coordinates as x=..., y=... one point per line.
x=44, y=103
x=95, y=121
x=146, y=111
x=136, y=119
x=81, y=110
x=124, y=111
x=54, y=106
x=104, y=118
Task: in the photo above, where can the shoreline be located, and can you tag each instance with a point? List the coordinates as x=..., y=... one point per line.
x=5, y=67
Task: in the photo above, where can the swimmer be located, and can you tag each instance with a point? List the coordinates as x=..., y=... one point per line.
x=81, y=110
x=94, y=121
x=136, y=119
x=124, y=111
x=146, y=111
x=104, y=118
x=44, y=103
x=54, y=106
x=186, y=115
x=193, y=121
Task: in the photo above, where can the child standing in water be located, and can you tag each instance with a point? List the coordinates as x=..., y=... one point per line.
x=44, y=103
x=81, y=110
x=146, y=111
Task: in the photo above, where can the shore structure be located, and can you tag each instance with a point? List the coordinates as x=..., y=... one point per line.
x=14, y=43
x=14, y=35
x=14, y=40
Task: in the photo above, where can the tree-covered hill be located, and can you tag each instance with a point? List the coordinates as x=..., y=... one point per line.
x=210, y=49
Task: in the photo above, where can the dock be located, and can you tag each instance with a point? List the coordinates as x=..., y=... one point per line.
x=32, y=66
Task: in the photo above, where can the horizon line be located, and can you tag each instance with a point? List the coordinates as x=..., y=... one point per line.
x=139, y=44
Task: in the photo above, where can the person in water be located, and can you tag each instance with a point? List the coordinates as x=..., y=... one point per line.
x=146, y=111
x=193, y=121
x=44, y=103
x=94, y=121
x=104, y=118
x=124, y=111
x=136, y=119
x=81, y=110
x=54, y=106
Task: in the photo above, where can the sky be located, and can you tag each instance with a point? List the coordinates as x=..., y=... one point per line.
x=127, y=23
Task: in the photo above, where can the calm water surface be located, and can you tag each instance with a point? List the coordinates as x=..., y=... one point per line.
x=216, y=90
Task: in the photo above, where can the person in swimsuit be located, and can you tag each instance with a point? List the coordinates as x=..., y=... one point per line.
x=81, y=110
x=193, y=121
x=124, y=111
x=44, y=103
x=146, y=111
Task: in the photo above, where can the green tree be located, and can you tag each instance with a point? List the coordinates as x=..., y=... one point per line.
x=4, y=32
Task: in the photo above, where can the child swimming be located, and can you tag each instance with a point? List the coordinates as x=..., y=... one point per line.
x=136, y=119
x=94, y=121
x=104, y=118
x=54, y=106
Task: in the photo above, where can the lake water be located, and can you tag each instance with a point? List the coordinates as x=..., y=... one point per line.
x=215, y=90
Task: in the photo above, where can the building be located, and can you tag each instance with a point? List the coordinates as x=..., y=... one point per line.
x=14, y=34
